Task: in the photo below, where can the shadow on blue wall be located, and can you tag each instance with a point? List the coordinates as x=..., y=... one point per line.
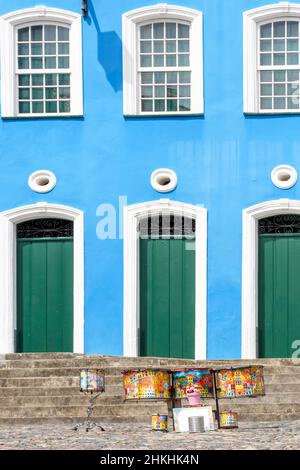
x=109, y=51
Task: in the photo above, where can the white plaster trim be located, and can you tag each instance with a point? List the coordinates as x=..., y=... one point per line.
x=132, y=216
x=251, y=217
x=8, y=221
x=251, y=19
x=8, y=24
x=284, y=171
x=161, y=174
x=130, y=22
x=34, y=181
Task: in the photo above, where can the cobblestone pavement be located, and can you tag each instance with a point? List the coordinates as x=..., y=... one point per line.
x=283, y=435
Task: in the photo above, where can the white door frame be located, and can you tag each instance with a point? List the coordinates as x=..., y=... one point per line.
x=8, y=221
x=132, y=215
x=251, y=216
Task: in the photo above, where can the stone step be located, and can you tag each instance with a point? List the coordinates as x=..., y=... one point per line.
x=70, y=400
x=111, y=390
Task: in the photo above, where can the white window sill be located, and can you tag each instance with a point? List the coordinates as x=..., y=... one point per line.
x=43, y=116
x=165, y=115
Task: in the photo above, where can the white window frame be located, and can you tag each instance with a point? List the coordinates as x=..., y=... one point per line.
x=130, y=25
x=252, y=19
x=38, y=15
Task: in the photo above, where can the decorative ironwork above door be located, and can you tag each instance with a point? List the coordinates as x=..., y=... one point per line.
x=164, y=225
x=45, y=228
x=282, y=223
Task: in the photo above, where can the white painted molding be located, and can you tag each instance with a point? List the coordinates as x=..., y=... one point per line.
x=130, y=23
x=8, y=221
x=163, y=180
x=284, y=176
x=39, y=14
x=42, y=181
x=251, y=217
x=132, y=215
x=251, y=20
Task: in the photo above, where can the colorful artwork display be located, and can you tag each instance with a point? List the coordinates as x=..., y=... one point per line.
x=194, y=381
x=240, y=382
x=147, y=384
x=181, y=418
x=160, y=423
x=92, y=380
x=228, y=420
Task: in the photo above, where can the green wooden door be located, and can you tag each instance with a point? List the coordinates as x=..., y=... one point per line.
x=279, y=294
x=167, y=298
x=45, y=295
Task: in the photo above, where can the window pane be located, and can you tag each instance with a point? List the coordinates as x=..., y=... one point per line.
x=183, y=46
x=279, y=29
x=24, y=107
x=36, y=63
x=265, y=59
x=64, y=79
x=159, y=77
x=50, y=62
x=50, y=48
x=158, y=30
x=146, y=31
x=24, y=80
x=158, y=61
x=23, y=34
x=279, y=44
x=147, y=92
x=279, y=103
x=37, y=79
x=265, y=45
x=293, y=89
x=172, y=105
x=146, y=61
x=292, y=29
x=147, y=106
x=183, y=31
x=160, y=92
x=160, y=105
x=184, y=77
x=51, y=107
x=63, y=33
x=63, y=62
x=23, y=63
x=171, y=60
x=279, y=59
x=147, y=77
x=146, y=46
x=63, y=48
x=172, y=91
x=23, y=49
x=184, y=91
x=51, y=79
x=279, y=76
x=183, y=60
x=293, y=59
x=37, y=107
x=266, y=31
x=293, y=103
x=171, y=46
x=279, y=90
x=172, y=77
x=36, y=33
x=171, y=30
x=50, y=33
x=266, y=90
x=266, y=76
x=292, y=45
x=64, y=107
x=36, y=49
x=293, y=75
x=266, y=103
x=37, y=93
x=24, y=93
x=64, y=92
x=51, y=93
x=184, y=105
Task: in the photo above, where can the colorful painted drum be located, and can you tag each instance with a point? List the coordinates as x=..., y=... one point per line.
x=160, y=423
x=240, y=382
x=92, y=380
x=189, y=381
x=228, y=420
x=147, y=384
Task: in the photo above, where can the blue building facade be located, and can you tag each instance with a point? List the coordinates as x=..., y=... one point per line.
x=222, y=155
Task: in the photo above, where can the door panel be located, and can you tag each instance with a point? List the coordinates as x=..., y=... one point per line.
x=45, y=295
x=279, y=294
x=167, y=298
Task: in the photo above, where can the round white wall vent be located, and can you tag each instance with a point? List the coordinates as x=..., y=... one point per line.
x=163, y=180
x=284, y=176
x=42, y=181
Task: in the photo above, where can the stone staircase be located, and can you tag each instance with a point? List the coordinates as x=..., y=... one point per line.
x=45, y=387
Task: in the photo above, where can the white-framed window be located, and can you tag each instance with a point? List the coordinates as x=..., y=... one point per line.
x=162, y=61
x=272, y=59
x=41, y=63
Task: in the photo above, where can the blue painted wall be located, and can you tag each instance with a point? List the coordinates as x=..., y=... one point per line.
x=223, y=161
